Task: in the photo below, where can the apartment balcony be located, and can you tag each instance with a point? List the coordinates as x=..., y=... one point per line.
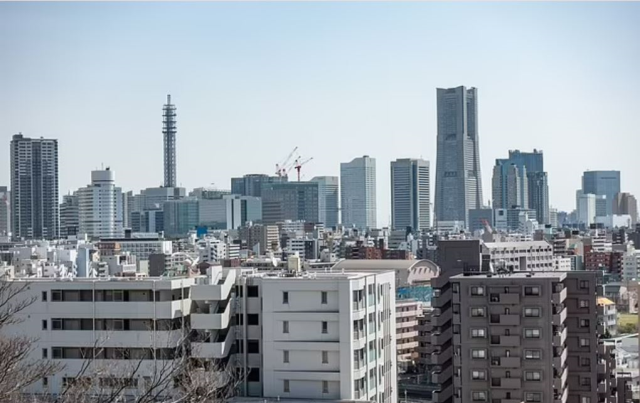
x=505, y=298
x=505, y=362
x=440, y=318
x=214, y=292
x=507, y=320
x=402, y=325
x=218, y=320
x=438, y=375
x=560, y=317
x=506, y=383
x=559, y=297
x=602, y=387
x=214, y=347
x=439, y=338
x=559, y=338
x=560, y=361
x=443, y=394
x=507, y=341
x=442, y=299
x=439, y=358
x=559, y=382
x=562, y=398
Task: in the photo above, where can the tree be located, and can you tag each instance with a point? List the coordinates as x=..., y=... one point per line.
x=17, y=371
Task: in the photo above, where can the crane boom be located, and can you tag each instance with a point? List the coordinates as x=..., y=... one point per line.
x=299, y=164
x=281, y=168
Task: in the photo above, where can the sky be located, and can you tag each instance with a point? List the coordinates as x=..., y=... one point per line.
x=339, y=80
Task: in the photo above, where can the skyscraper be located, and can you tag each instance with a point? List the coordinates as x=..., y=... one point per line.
x=69, y=215
x=605, y=183
x=532, y=184
x=410, y=194
x=290, y=201
x=251, y=185
x=34, y=187
x=169, y=131
x=358, y=192
x=626, y=203
x=5, y=211
x=100, y=207
x=458, y=178
x=328, y=195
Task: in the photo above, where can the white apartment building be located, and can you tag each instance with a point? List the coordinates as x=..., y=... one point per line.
x=520, y=256
x=407, y=313
x=120, y=321
x=561, y=263
x=100, y=207
x=213, y=250
x=326, y=336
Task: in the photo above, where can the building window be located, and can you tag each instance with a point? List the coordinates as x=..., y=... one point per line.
x=455, y=308
x=479, y=375
x=44, y=297
x=479, y=396
x=585, y=381
x=285, y=297
x=585, y=343
x=44, y=324
x=478, y=312
x=478, y=353
x=325, y=386
x=532, y=397
x=532, y=354
x=285, y=326
x=325, y=327
x=533, y=376
x=532, y=312
x=253, y=375
x=478, y=333
x=253, y=346
x=45, y=381
x=323, y=297
x=45, y=353
x=455, y=288
x=535, y=290
x=584, y=303
x=585, y=361
x=285, y=356
x=285, y=386
x=584, y=322
x=532, y=333
x=477, y=290
x=325, y=357
x=584, y=284
x=56, y=295
x=253, y=319
x=585, y=399
x=252, y=291
x=56, y=324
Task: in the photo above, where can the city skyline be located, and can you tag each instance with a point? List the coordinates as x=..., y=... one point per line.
x=376, y=90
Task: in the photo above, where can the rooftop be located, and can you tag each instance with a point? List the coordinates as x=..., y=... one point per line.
x=356, y=264
x=515, y=275
x=523, y=244
x=605, y=301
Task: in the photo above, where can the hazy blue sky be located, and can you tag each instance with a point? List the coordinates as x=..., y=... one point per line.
x=252, y=80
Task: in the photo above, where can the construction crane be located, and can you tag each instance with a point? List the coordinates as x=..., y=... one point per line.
x=298, y=165
x=282, y=168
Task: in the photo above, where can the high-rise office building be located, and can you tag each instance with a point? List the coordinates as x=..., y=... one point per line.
x=169, y=131
x=539, y=196
x=5, y=211
x=69, y=215
x=410, y=194
x=626, y=203
x=585, y=208
x=34, y=188
x=532, y=185
x=358, y=192
x=180, y=216
x=600, y=183
x=100, y=206
x=458, y=178
x=509, y=186
x=251, y=185
x=328, y=196
x=296, y=201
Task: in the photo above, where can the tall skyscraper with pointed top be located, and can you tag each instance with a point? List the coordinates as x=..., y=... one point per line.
x=458, y=179
x=169, y=131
